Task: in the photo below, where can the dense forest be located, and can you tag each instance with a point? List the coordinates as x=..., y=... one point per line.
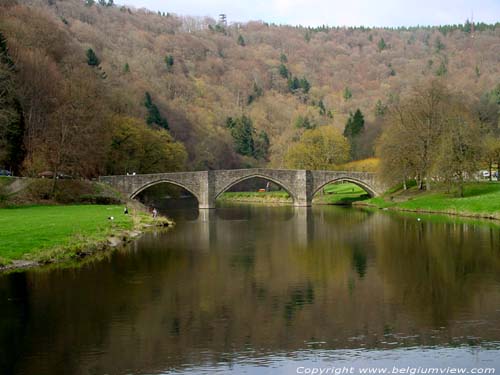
x=89, y=88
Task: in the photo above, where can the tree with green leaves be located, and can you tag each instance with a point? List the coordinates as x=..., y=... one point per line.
x=169, y=62
x=284, y=71
x=241, y=41
x=322, y=108
x=283, y=58
x=380, y=108
x=92, y=58
x=262, y=144
x=322, y=148
x=381, y=45
x=442, y=69
x=353, y=129
x=347, y=93
x=242, y=132
x=154, y=116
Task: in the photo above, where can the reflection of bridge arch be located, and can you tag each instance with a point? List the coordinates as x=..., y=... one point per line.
x=206, y=186
x=249, y=177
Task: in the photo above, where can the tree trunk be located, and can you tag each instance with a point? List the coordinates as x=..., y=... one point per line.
x=491, y=169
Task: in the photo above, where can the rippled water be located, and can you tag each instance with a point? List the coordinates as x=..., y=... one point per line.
x=265, y=290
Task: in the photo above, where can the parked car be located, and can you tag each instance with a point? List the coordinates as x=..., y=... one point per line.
x=5, y=172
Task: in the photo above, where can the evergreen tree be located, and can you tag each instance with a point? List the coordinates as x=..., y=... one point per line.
x=304, y=85
x=283, y=58
x=322, y=109
x=89, y=3
x=262, y=144
x=380, y=108
x=154, y=116
x=284, y=71
x=381, y=44
x=442, y=70
x=126, y=68
x=347, y=94
x=4, y=53
x=169, y=62
x=242, y=132
x=241, y=41
x=353, y=128
x=355, y=124
x=92, y=58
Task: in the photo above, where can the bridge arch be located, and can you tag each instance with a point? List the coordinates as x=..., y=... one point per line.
x=366, y=187
x=163, y=181
x=257, y=175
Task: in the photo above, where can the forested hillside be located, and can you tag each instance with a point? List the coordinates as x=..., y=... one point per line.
x=92, y=88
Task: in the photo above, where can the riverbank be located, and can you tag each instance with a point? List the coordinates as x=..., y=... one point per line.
x=338, y=194
x=480, y=200
x=38, y=235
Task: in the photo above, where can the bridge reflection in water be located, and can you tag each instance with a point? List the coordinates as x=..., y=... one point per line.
x=245, y=287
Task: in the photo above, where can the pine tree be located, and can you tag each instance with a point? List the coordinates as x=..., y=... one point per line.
x=262, y=144
x=355, y=124
x=304, y=85
x=241, y=41
x=169, y=62
x=283, y=58
x=284, y=71
x=381, y=44
x=92, y=58
x=347, y=94
x=322, y=109
x=154, y=116
x=242, y=132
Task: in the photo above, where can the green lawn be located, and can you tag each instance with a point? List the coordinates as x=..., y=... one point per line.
x=479, y=198
x=26, y=231
x=340, y=193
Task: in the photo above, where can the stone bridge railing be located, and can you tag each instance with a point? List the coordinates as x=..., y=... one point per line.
x=206, y=186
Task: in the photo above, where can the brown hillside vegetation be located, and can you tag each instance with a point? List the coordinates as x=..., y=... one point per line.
x=234, y=96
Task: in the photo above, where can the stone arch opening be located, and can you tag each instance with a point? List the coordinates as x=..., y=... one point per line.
x=258, y=177
x=365, y=187
x=160, y=192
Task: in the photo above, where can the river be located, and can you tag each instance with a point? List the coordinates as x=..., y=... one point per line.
x=265, y=290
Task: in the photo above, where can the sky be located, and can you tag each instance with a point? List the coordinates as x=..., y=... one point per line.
x=333, y=12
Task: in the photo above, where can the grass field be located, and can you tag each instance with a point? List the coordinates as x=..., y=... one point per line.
x=480, y=199
x=28, y=231
x=331, y=194
x=345, y=193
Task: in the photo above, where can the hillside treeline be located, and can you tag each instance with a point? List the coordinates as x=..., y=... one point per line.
x=89, y=88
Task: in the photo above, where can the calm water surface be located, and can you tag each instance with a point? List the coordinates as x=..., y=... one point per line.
x=264, y=290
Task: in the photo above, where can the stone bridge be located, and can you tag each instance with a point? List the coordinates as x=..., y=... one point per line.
x=206, y=186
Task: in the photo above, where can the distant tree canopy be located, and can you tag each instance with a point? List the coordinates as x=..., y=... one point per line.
x=154, y=116
x=320, y=148
x=137, y=148
x=197, y=73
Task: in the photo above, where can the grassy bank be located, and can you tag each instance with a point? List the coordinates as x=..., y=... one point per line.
x=481, y=199
x=256, y=197
x=45, y=234
x=345, y=193
x=331, y=194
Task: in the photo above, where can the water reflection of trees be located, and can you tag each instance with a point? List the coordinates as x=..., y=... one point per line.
x=260, y=286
